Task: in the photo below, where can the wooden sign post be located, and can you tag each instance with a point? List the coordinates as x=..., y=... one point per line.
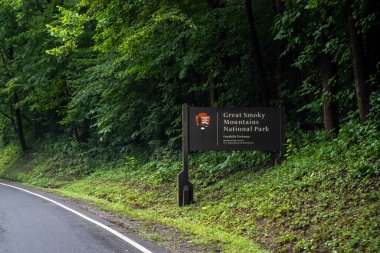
x=185, y=188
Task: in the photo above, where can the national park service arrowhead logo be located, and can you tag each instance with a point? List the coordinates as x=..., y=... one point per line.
x=202, y=120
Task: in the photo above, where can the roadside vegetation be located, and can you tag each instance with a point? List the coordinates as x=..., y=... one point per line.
x=323, y=198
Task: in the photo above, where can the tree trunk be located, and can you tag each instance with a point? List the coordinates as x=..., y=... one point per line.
x=257, y=56
x=358, y=63
x=75, y=132
x=213, y=4
x=20, y=128
x=330, y=106
x=86, y=130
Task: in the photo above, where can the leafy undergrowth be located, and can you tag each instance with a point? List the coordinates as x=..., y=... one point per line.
x=323, y=198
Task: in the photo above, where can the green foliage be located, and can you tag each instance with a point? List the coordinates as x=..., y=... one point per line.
x=70, y=29
x=324, y=197
x=211, y=167
x=8, y=155
x=117, y=73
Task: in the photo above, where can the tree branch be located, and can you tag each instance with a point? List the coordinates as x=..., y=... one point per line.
x=6, y=115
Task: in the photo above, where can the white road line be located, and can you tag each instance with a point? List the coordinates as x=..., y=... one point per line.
x=112, y=231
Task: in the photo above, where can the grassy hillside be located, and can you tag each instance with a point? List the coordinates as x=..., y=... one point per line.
x=323, y=198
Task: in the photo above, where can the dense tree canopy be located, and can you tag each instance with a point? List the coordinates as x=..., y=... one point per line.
x=117, y=72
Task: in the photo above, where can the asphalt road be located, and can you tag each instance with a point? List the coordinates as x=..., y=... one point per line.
x=31, y=224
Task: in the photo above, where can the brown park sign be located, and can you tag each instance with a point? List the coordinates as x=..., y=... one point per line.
x=259, y=128
x=209, y=128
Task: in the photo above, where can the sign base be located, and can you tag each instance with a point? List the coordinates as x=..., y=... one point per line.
x=185, y=190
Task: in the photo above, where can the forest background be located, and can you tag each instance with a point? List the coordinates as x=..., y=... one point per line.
x=90, y=86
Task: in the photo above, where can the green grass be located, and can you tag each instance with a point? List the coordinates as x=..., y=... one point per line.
x=323, y=198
